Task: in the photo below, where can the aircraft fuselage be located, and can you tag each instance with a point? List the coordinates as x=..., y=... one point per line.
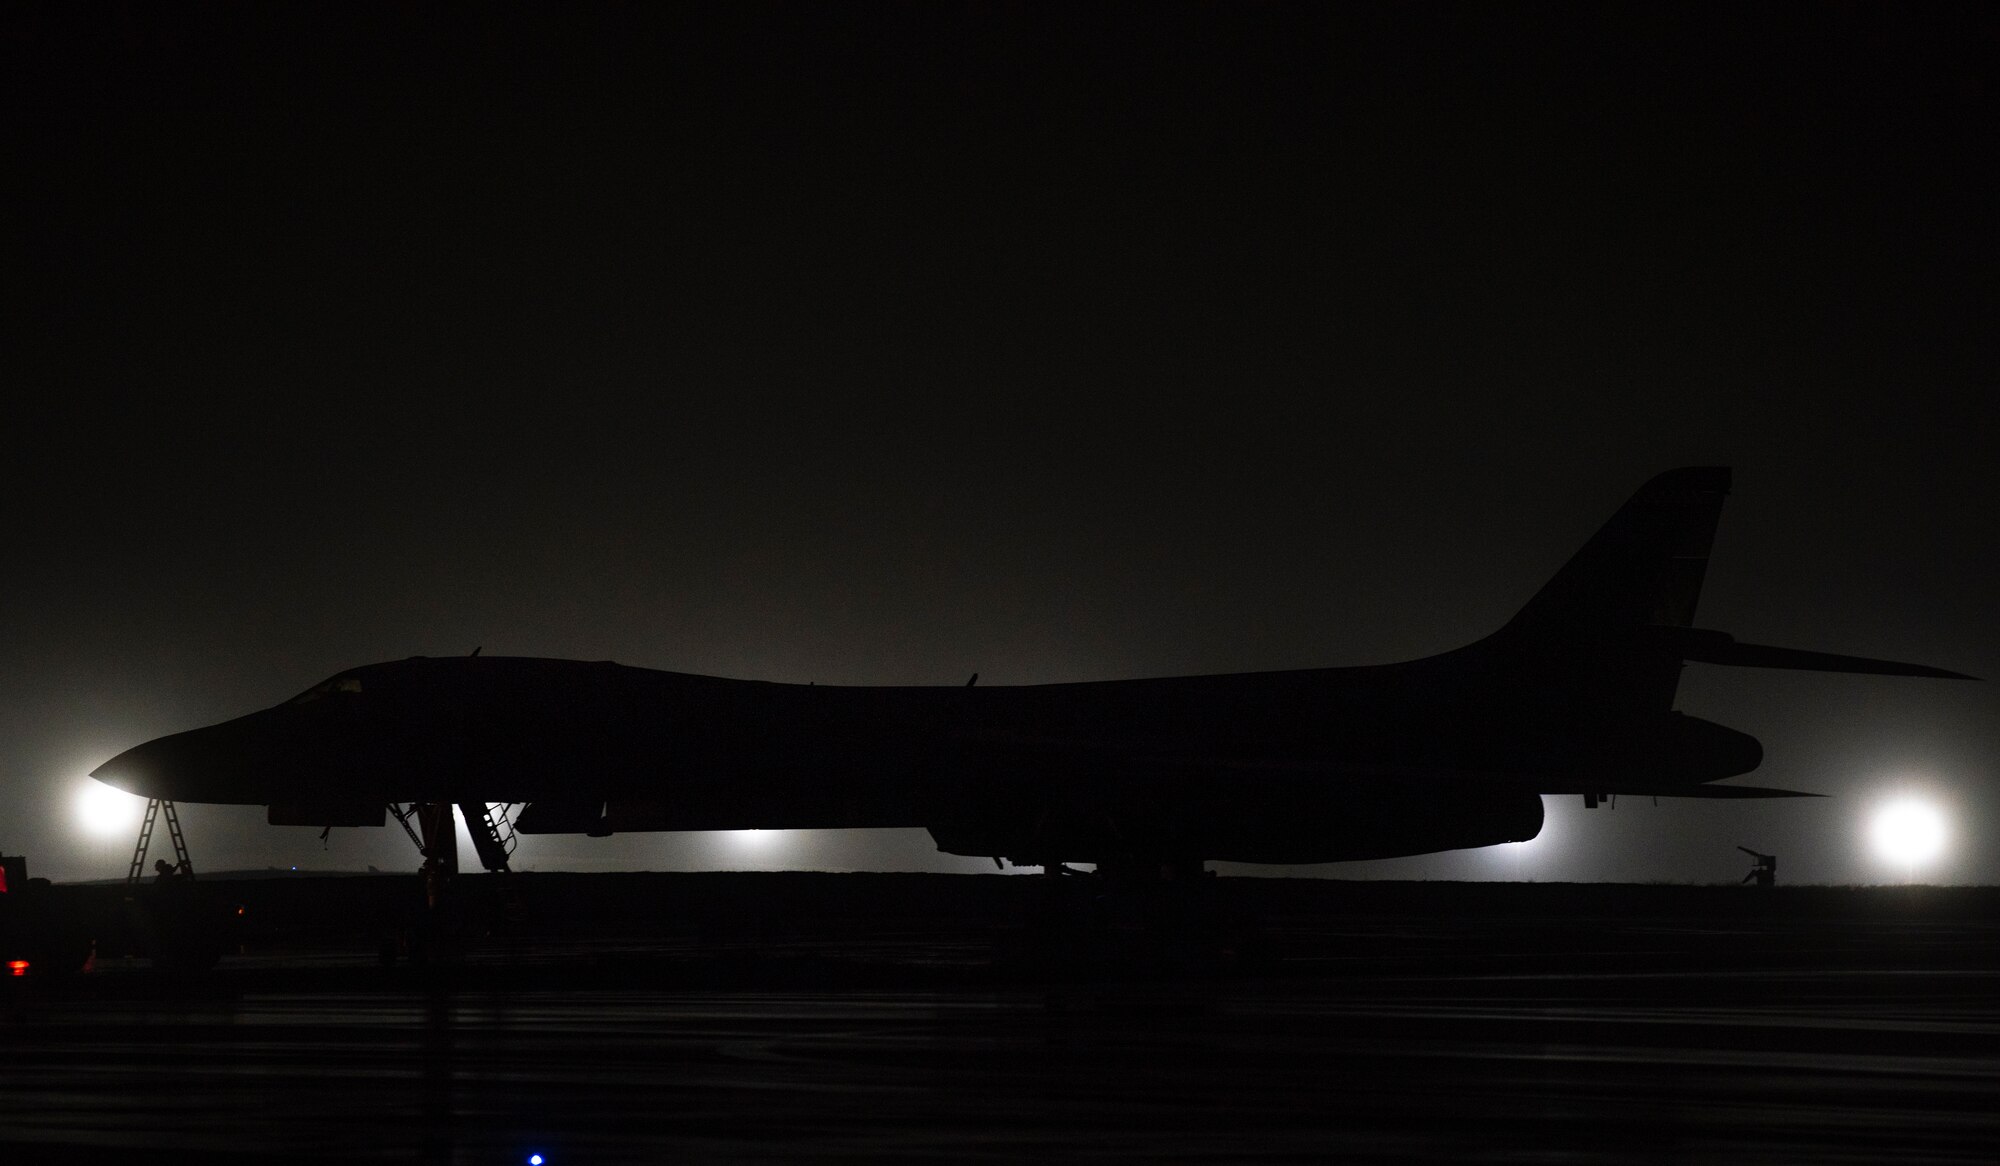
x=1574, y=695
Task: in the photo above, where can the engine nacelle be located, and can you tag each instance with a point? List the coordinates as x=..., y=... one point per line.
x=1241, y=829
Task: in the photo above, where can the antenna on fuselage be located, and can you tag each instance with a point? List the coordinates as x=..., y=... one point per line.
x=973, y=681
x=478, y=650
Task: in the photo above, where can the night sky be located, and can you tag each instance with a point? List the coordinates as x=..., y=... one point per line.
x=888, y=343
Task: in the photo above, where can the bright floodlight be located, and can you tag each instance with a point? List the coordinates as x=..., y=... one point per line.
x=104, y=810
x=1908, y=833
x=751, y=839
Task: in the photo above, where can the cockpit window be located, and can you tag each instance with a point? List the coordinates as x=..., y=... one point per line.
x=337, y=684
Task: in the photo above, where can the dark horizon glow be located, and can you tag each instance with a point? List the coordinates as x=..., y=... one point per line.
x=885, y=345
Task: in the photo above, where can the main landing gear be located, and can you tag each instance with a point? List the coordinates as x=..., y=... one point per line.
x=433, y=829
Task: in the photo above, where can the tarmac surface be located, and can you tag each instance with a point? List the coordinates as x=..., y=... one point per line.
x=756, y=1018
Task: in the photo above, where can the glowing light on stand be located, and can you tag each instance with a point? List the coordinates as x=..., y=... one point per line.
x=105, y=811
x=752, y=839
x=755, y=849
x=1909, y=833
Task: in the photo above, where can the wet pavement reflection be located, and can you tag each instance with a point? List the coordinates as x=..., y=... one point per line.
x=1375, y=1056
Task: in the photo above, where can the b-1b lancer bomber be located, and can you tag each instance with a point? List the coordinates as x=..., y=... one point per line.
x=1574, y=696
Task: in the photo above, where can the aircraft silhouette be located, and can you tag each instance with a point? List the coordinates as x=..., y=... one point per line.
x=1573, y=696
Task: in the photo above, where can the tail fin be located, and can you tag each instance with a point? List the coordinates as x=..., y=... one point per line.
x=1642, y=569
x=1630, y=593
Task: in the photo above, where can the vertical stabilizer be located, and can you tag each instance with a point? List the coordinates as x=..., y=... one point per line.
x=1642, y=568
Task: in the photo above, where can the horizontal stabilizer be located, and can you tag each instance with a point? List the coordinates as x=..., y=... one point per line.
x=1725, y=791
x=1629, y=791
x=1715, y=648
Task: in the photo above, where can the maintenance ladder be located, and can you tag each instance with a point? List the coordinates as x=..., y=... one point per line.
x=156, y=808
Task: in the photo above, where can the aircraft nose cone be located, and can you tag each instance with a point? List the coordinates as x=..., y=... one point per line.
x=221, y=763
x=145, y=770
x=118, y=773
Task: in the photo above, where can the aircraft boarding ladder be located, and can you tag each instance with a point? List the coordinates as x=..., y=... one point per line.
x=490, y=824
x=492, y=831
